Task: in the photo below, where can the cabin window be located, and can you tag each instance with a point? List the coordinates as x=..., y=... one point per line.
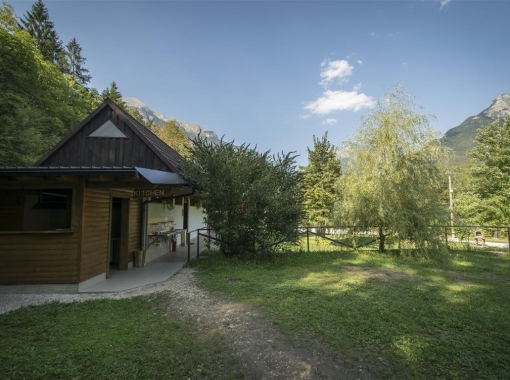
x=36, y=210
x=178, y=201
x=48, y=209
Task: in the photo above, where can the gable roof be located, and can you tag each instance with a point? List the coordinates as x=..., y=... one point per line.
x=166, y=154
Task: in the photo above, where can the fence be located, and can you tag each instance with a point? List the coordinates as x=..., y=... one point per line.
x=325, y=238
x=334, y=238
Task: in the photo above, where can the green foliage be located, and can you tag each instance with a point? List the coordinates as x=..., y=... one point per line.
x=74, y=63
x=37, y=23
x=138, y=338
x=38, y=103
x=251, y=199
x=8, y=20
x=404, y=318
x=394, y=178
x=174, y=136
x=320, y=181
x=114, y=94
x=490, y=173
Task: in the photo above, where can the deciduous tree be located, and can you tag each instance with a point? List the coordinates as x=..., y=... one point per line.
x=394, y=178
x=174, y=136
x=252, y=200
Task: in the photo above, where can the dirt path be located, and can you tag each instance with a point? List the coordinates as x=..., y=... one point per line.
x=262, y=351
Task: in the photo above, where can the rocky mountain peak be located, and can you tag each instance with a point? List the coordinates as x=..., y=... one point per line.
x=192, y=130
x=499, y=108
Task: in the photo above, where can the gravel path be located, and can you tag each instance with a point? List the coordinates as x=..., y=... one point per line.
x=263, y=352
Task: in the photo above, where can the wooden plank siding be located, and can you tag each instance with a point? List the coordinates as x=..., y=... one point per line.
x=81, y=150
x=96, y=233
x=41, y=258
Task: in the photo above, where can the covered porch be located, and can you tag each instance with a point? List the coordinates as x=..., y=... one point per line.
x=158, y=270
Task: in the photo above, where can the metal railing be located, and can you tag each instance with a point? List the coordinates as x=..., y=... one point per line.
x=210, y=236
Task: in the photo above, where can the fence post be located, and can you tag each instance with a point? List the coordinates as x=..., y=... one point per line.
x=307, y=240
x=208, y=238
x=198, y=244
x=189, y=247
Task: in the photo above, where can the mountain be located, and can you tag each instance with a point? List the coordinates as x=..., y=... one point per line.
x=192, y=130
x=461, y=138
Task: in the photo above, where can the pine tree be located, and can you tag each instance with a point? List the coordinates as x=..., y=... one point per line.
x=37, y=23
x=320, y=181
x=114, y=94
x=75, y=62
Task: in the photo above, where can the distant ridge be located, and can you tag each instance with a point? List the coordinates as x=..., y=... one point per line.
x=192, y=130
x=461, y=139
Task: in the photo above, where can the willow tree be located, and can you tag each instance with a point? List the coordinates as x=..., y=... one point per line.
x=395, y=174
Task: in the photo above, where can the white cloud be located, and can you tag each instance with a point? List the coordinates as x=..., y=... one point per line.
x=360, y=62
x=335, y=70
x=330, y=121
x=445, y=3
x=332, y=101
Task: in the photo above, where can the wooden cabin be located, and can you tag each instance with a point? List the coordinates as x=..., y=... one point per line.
x=83, y=208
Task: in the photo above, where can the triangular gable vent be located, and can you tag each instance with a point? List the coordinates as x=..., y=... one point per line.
x=108, y=129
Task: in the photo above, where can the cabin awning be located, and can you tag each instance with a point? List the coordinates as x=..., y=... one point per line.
x=159, y=177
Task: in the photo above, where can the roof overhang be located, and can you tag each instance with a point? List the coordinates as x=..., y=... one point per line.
x=98, y=174
x=158, y=177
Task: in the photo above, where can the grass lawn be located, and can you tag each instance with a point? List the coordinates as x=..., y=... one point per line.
x=139, y=338
x=409, y=318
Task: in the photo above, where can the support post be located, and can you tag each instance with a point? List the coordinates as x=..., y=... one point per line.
x=198, y=244
x=446, y=236
x=307, y=240
x=189, y=247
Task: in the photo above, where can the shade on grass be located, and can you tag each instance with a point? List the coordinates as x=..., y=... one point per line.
x=408, y=317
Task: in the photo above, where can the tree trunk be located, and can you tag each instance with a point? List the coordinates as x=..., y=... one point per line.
x=381, y=239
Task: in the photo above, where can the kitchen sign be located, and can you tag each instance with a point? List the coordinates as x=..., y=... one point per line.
x=151, y=193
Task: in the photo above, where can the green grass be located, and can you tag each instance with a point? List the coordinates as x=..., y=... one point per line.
x=407, y=317
x=139, y=338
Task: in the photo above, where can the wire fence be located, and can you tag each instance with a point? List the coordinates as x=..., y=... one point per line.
x=349, y=238
x=333, y=238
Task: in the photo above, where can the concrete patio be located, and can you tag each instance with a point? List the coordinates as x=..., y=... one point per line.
x=158, y=270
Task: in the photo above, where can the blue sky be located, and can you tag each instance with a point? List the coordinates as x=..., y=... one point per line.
x=274, y=73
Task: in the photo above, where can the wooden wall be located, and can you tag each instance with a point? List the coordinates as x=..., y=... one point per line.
x=41, y=258
x=82, y=150
x=63, y=257
x=96, y=233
